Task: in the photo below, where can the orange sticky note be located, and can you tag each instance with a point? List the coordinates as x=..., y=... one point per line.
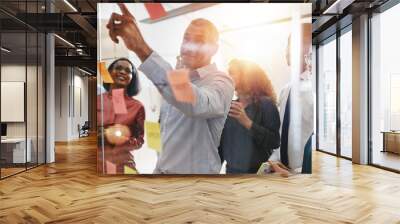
x=111, y=168
x=104, y=72
x=119, y=101
x=128, y=170
x=180, y=84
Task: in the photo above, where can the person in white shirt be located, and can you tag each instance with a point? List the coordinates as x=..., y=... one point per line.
x=296, y=108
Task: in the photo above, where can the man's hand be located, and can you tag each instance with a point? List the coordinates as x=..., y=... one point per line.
x=125, y=26
x=237, y=111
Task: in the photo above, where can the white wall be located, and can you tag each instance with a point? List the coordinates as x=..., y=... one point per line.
x=61, y=103
x=13, y=73
x=70, y=84
x=33, y=127
x=80, y=102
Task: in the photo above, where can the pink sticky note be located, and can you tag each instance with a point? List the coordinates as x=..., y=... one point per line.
x=180, y=84
x=111, y=168
x=119, y=101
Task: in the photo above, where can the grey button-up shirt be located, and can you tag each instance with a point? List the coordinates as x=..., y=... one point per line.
x=190, y=134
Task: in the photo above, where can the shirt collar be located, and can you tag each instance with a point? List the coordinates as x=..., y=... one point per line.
x=203, y=71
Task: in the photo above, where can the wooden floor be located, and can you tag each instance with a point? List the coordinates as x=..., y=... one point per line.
x=387, y=159
x=70, y=191
x=10, y=171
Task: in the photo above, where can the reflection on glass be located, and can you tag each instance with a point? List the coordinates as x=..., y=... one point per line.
x=385, y=86
x=122, y=119
x=346, y=94
x=394, y=102
x=327, y=97
x=22, y=91
x=31, y=98
x=14, y=153
x=41, y=100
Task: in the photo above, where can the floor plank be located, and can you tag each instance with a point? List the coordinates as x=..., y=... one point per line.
x=70, y=191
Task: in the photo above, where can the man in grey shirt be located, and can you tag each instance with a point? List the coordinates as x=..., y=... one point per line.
x=190, y=133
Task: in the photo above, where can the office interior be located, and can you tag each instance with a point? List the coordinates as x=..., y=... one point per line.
x=49, y=85
x=48, y=82
x=338, y=87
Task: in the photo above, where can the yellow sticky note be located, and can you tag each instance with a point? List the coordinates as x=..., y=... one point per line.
x=180, y=85
x=128, y=170
x=104, y=72
x=153, y=135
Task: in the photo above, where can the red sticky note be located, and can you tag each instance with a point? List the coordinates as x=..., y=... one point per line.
x=180, y=84
x=119, y=101
x=111, y=168
x=155, y=10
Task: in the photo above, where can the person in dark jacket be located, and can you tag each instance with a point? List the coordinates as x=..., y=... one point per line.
x=251, y=131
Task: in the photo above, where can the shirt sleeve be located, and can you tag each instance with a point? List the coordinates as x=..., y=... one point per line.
x=276, y=155
x=211, y=100
x=266, y=133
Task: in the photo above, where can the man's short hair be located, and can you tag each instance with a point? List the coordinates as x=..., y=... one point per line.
x=211, y=30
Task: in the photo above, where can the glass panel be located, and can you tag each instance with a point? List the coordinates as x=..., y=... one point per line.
x=31, y=97
x=385, y=89
x=14, y=8
x=327, y=97
x=314, y=81
x=13, y=86
x=14, y=146
x=33, y=70
x=346, y=94
x=41, y=99
x=22, y=79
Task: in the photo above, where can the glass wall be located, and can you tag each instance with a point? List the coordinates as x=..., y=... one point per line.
x=385, y=89
x=22, y=89
x=327, y=96
x=346, y=93
x=335, y=73
x=31, y=99
x=41, y=96
x=13, y=95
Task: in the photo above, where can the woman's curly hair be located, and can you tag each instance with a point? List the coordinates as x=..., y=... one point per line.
x=253, y=80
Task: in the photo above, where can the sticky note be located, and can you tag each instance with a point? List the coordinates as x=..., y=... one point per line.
x=265, y=168
x=180, y=84
x=153, y=135
x=128, y=170
x=104, y=72
x=155, y=10
x=111, y=168
x=119, y=101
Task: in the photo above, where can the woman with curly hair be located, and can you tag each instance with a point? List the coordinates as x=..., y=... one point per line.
x=251, y=131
